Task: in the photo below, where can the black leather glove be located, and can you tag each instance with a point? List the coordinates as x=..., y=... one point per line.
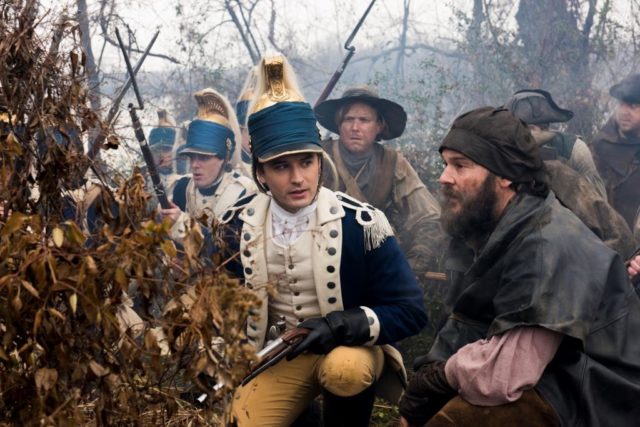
x=427, y=392
x=349, y=327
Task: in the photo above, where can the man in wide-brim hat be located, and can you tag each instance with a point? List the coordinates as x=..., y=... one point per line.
x=379, y=175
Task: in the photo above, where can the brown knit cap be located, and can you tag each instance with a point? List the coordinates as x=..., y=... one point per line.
x=496, y=139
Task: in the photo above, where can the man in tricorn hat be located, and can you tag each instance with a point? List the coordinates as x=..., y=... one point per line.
x=379, y=175
x=616, y=149
x=572, y=173
x=213, y=185
x=538, y=110
x=543, y=317
x=320, y=260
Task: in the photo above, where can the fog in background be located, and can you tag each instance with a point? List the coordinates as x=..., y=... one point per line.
x=436, y=58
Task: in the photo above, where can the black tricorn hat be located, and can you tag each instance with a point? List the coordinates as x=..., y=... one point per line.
x=393, y=114
x=628, y=90
x=536, y=106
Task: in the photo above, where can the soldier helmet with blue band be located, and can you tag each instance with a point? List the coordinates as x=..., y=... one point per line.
x=281, y=122
x=163, y=137
x=215, y=130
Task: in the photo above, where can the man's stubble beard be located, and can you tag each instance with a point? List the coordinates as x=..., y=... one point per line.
x=477, y=215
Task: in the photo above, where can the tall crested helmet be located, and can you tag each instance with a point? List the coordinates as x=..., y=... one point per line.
x=164, y=135
x=280, y=121
x=215, y=129
x=249, y=87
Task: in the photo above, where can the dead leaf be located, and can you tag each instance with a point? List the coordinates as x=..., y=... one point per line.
x=169, y=248
x=56, y=313
x=90, y=264
x=98, y=370
x=16, y=303
x=73, y=302
x=29, y=287
x=46, y=378
x=37, y=321
x=14, y=223
x=58, y=236
x=120, y=277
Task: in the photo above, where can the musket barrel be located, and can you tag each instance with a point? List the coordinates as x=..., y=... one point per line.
x=158, y=187
x=351, y=50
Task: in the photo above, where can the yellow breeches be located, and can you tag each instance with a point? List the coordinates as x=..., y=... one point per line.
x=280, y=394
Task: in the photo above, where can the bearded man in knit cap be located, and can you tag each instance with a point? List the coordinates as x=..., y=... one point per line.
x=542, y=312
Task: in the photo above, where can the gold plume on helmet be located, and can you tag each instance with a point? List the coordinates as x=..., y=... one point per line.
x=276, y=83
x=250, y=85
x=247, y=95
x=212, y=107
x=164, y=119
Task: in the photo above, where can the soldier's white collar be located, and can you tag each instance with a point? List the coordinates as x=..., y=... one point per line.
x=288, y=226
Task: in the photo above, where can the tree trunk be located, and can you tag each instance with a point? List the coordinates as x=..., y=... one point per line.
x=90, y=64
x=558, y=56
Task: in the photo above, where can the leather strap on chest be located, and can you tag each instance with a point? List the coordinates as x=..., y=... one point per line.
x=382, y=182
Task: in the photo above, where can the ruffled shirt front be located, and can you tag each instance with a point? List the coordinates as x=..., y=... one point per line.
x=287, y=226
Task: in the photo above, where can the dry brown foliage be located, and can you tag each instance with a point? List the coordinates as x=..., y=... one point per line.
x=69, y=354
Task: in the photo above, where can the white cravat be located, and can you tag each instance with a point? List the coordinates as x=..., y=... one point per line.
x=287, y=226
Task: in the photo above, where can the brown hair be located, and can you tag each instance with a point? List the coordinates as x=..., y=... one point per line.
x=326, y=167
x=344, y=109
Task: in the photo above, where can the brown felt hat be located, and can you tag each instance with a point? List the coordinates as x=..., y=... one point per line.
x=536, y=106
x=393, y=114
x=628, y=90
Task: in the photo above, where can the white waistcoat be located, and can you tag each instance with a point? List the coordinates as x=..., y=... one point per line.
x=227, y=193
x=324, y=256
x=197, y=204
x=295, y=298
x=263, y=272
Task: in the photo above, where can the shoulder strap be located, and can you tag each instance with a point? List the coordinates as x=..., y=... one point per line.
x=230, y=213
x=383, y=178
x=374, y=223
x=180, y=193
x=563, y=143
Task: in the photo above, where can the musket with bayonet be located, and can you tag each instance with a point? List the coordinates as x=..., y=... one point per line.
x=115, y=106
x=158, y=187
x=351, y=50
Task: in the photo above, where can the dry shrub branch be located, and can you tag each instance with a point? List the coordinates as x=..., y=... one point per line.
x=103, y=320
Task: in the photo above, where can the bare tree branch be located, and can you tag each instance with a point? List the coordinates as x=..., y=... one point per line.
x=104, y=25
x=255, y=56
x=413, y=48
x=403, y=42
x=92, y=70
x=247, y=27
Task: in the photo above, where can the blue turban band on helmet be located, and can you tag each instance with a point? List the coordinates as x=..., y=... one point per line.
x=283, y=127
x=205, y=137
x=241, y=112
x=162, y=137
